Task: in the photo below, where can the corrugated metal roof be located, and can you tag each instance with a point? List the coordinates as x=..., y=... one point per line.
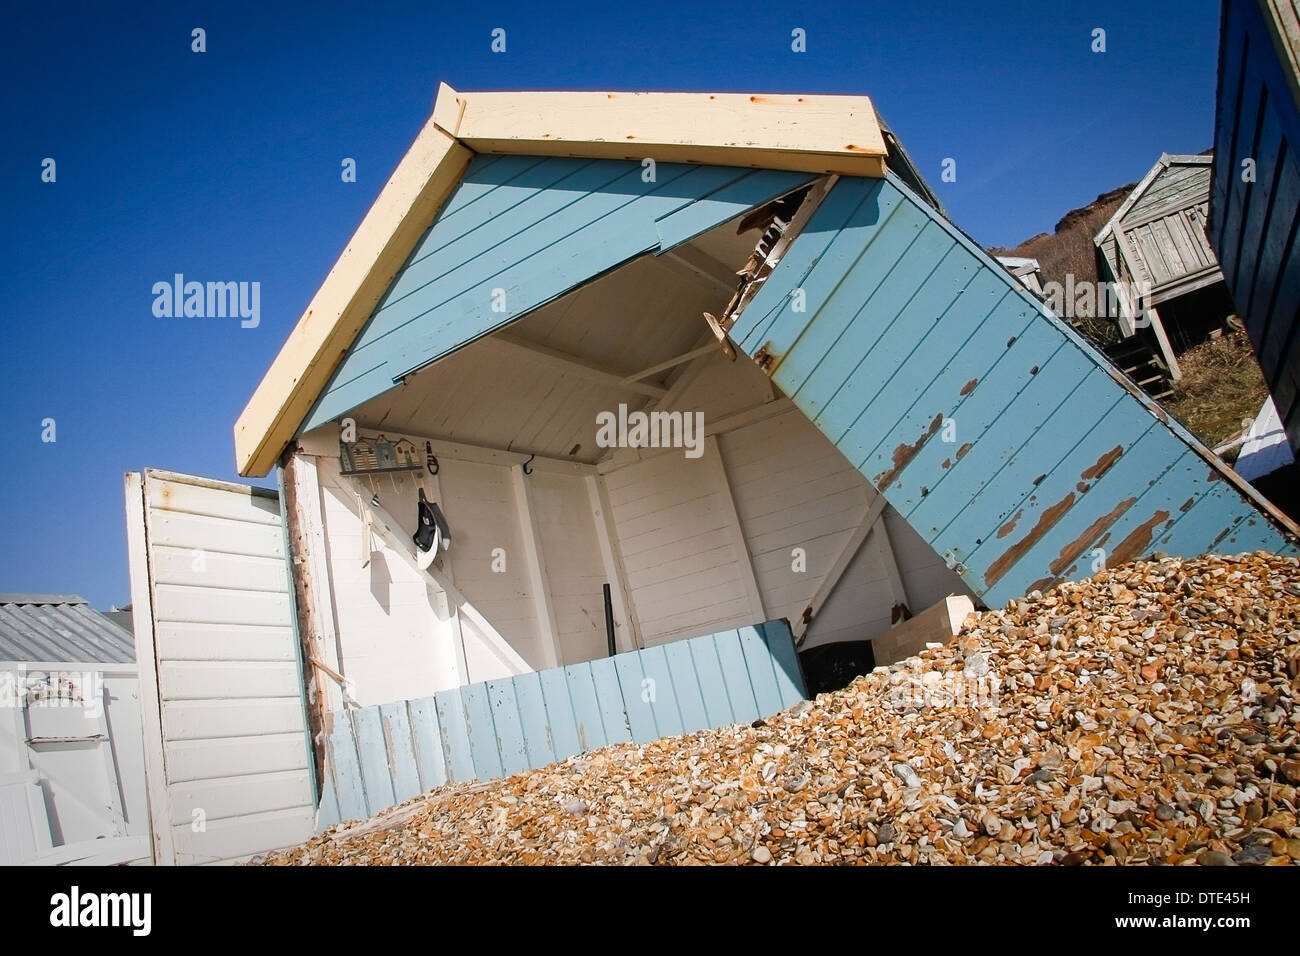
x=58, y=628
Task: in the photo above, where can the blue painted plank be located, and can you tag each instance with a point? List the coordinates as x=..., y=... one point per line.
x=402, y=768
x=785, y=661
x=882, y=336
x=1260, y=209
x=1025, y=450
x=328, y=812
x=458, y=758
x=762, y=675
x=1159, y=493
x=1007, y=509
x=690, y=713
x=708, y=667
x=1079, y=533
x=1263, y=320
x=534, y=720
x=854, y=206
x=372, y=751
x=853, y=297
x=1203, y=526
x=1252, y=94
x=923, y=394
x=586, y=708
x=481, y=732
x=430, y=761
x=736, y=676
x=873, y=217
x=511, y=746
x=345, y=770
x=640, y=707
x=736, y=189
x=560, y=714
x=541, y=232
x=1232, y=66
x=666, y=708
x=879, y=400
x=1035, y=402
x=957, y=471
x=609, y=698
x=1255, y=533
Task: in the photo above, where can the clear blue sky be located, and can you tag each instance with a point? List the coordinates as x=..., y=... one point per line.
x=225, y=166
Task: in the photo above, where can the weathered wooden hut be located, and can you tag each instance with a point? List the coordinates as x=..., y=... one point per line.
x=848, y=413
x=1155, y=246
x=1256, y=198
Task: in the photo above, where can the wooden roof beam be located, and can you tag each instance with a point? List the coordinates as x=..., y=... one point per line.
x=814, y=134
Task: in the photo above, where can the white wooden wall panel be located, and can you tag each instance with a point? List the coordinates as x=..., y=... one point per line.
x=573, y=563
x=481, y=511
x=201, y=692
x=392, y=645
x=674, y=524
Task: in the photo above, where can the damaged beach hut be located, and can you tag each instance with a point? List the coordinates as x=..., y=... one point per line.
x=610, y=400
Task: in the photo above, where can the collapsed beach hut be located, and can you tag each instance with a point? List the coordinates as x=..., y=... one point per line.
x=689, y=378
x=1155, y=244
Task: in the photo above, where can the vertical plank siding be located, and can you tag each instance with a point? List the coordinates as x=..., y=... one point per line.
x=1002, y=438
x=379, y=756
x=1253, y=225
x=520, y=231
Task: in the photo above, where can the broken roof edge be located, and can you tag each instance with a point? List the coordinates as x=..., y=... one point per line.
x=803, y=133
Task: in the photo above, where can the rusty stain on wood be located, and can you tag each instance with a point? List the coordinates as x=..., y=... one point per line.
x=961, y=452
x=1010, y=526
x=1187, y=505
x=1138, y=539
x=1102, y=464
x=947, y=463
x=904, y=453
x=1017, y=550
x=1070, y=553
x=1222, y=534
x=969, y=386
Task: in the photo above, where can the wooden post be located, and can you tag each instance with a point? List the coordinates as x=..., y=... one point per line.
x=735, y=531
x=1167, y=350
x=548, y=630
x=312, y=583
x=870, y=520
x=137, y=545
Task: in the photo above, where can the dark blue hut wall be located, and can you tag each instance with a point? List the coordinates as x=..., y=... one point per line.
x=1253, y=224
x=1007, y=443
x=520, y=231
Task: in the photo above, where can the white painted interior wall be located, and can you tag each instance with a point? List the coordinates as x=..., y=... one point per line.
x=705, y=544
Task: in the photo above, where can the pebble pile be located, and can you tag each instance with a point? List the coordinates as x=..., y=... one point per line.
x=1146, y=715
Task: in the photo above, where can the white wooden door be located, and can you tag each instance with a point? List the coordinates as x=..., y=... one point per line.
x=226, y=740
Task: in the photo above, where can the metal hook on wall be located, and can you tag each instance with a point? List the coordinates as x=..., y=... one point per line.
x=526, y=466
x=430, y=459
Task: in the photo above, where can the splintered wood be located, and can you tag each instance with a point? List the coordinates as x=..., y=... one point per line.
x=1146, y=715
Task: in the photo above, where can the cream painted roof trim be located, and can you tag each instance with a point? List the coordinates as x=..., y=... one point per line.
x=820, y=134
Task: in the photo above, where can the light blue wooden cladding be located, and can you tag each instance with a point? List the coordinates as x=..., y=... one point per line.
x=519, y=232
x=379, y=756
x=1009, y=444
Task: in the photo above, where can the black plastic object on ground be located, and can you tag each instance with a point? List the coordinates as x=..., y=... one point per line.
x=833, y=666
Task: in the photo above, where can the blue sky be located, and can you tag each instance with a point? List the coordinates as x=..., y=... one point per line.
x=225, y=165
